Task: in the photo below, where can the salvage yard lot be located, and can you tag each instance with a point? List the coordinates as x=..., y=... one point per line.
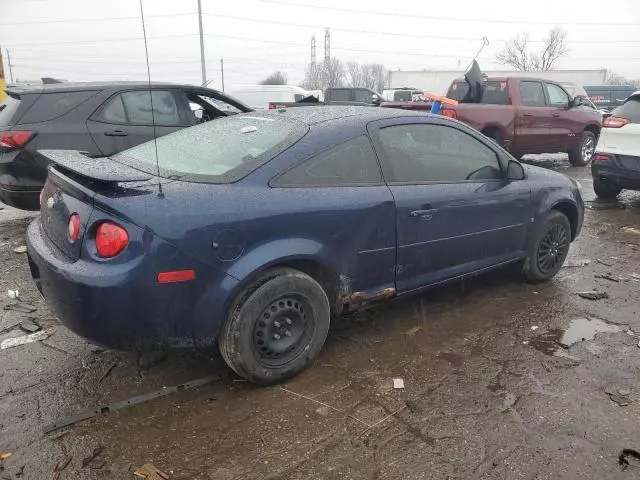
x=488, y=391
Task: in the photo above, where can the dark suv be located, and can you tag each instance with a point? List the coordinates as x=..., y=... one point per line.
x=98, y=119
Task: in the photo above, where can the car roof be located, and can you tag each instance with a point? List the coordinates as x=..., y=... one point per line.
x=325, y=113
x=84, y=86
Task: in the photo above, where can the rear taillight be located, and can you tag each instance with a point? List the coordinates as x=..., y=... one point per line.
x=74, y=227
x=111, y=239
x=272, y=106
x=447, y=112
x=599, y=157
x=615, y=122
x=15, y=139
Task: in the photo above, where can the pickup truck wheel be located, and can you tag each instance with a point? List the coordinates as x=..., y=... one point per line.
x=549, y=249
x=276, y=327
x=581, y=155
x=605, y=190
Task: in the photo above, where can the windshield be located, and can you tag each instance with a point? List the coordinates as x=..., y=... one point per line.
x=495, y=92
x=216, y=152
x=630, y=110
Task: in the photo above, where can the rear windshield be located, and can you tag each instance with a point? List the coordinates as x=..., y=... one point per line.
x=403, y=95
x=630, y=110
x=53, y=105
x=8, y=108
x=496, y=93
x=219, y=151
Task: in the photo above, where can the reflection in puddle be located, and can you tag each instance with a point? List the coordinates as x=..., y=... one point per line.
x=579, y=330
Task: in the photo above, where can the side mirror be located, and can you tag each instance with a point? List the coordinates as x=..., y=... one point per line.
x=375, y=99
x=515, y=171
x=579, y=101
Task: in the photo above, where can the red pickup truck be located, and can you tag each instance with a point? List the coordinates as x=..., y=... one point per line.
x=525, y=115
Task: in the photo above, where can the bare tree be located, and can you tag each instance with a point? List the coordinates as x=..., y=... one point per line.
x=517, y=53
x=612, y=78
x=313, y=77
x=354, y=74
x=333, y=73
x=276, y=78
x=376, y=76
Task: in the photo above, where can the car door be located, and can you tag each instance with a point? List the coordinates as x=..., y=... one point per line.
x=126, y=119
x=563, y=130
x=533, y=119
x=456, y=213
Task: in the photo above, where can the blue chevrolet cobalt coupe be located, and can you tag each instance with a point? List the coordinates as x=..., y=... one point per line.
x=252, y=231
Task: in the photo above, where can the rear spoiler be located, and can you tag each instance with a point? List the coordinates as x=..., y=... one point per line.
x=101, y=169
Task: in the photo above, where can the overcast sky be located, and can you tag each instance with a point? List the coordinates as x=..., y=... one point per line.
x=99, y=40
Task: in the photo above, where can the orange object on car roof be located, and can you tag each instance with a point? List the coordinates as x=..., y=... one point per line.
x=441, y=98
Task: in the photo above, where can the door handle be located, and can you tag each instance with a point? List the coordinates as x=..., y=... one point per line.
x=116, y=133
x=424, y=214
x=527, y=114
x=557, y=115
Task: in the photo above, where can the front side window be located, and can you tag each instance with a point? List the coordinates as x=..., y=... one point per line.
x=364, y=96
x=350, y=163
x=557, y=96
x=138, y=108
x=422, y=153
x=531, y=94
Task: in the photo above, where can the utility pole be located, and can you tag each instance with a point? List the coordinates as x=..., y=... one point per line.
x=222, y=72
x=9, y=65
x=327, y=46
x=202, y=62
x=313, y=50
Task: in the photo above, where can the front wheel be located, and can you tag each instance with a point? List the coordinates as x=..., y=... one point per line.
x=276, y=327
x=581, y=155
x=550, y=248
x=605, y=190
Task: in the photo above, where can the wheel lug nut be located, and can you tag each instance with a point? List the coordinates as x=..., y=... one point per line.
x=276, y=324
x=288, y=321
x=287, y=333
x=276, y=336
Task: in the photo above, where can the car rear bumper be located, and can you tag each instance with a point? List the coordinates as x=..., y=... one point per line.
x=123, y=306
x=613, y=174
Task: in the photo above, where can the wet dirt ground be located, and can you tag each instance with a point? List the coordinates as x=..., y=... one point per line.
x=498, y=383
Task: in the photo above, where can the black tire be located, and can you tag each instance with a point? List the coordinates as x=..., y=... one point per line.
x=276, y=327
x=605, y=190
x=581, y=155
x=549, y=248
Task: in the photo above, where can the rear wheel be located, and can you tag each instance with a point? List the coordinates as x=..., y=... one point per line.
x=605, y=190
x=276, y=327
x=581, y=155
x=550, y=247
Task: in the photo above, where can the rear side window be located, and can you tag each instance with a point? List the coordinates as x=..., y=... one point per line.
x=114, y=111
x=49, y=106
x=495, y=93
x=531, y=94
x=351, y=163
x=7, y=110
x=221, y=151
x=138, y=108
x=340, y=95
x=630, y=110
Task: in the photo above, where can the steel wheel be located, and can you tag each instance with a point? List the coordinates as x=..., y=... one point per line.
x=553, y=248
x=282, y=331
x=588, y=149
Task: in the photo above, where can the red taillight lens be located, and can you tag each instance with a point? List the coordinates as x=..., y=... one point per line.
x=176, y=276
x=15, y=139
x=74, y=227
x=599, y=157
x=111, y=239
x=447, y=112
x=272, y=106
x=615, y=122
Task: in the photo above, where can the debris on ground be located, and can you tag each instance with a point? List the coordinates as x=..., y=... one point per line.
x=593, y=295
x=20, y=249
x=151, y=359
x=534, y=327
x=625, y=455
x=5, y=455
x=635, y=276
x=631, y=230
x=30, y=326
x=57, y=472
x=150, y=472
x=107, y=371
x=23, y=340
x=13, y=293
x=621, y=400
x=609, y=277
x=602, y=262
x=509, y=401
x=398, y=383
x=412, y=331
x=577, y=263
x=20, y=307
x=94, y=454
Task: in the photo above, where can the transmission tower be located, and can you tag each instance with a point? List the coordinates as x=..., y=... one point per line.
x=327, y=45
x=313, y=50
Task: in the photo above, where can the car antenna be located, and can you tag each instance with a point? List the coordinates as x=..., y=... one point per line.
x=153, y=115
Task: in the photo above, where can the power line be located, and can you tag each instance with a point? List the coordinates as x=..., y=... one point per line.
x=452, y=19
x=85, y=20
x=108, y=40
x=396, y=34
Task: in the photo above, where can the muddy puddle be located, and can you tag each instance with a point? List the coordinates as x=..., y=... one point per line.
x=579, y=330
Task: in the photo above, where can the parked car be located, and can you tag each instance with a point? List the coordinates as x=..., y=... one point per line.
x=608, y=97
x=254, y=230
x=405, y=94
x=525, y=116
x=99, y=119
x=616, y=163
x=335, y=96
x=260, y=96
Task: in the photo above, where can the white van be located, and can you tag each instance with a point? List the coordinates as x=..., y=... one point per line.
x=259, y=96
